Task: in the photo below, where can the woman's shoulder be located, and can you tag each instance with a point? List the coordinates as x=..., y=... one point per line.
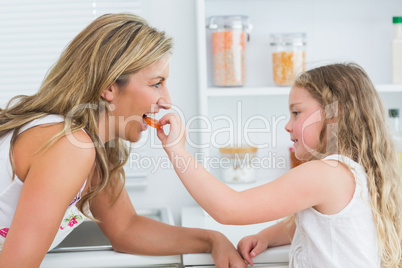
x=38, y=136
x=76, y=146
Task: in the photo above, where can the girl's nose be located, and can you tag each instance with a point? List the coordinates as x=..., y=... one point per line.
x=288, y=126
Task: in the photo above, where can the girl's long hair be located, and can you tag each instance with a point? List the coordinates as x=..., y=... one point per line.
x=347, y=94
x=109, y=50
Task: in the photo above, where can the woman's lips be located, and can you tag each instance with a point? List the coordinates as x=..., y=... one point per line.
x=144, y=126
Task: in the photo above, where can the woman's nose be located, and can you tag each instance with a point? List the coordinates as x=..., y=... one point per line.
x=165, y=102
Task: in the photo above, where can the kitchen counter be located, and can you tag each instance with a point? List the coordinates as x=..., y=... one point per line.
x=198, y=218
x=191, y=217
x=107, y=258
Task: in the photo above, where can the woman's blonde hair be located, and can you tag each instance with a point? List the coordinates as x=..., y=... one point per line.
x=109, y=50
x=361, y=134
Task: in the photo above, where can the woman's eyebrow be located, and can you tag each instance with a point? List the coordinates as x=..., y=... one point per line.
x=158, y=77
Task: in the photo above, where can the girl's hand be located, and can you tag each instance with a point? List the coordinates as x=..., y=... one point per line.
x=224, y=253
x=251, y=246
x=176, y=137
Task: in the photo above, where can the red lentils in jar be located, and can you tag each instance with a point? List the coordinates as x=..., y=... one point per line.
x=229, y=37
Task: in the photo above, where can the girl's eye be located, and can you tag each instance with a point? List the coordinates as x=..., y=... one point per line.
x=295, y=113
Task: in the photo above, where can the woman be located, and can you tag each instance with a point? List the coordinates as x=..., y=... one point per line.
x=67, y=139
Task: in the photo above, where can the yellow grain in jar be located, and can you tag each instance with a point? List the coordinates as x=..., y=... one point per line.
x=288, y=57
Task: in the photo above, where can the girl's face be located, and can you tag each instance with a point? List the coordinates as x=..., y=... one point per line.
x=145, y=93
x=305, y=123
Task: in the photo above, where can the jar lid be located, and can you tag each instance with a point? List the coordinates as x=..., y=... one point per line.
x=238, y=150
x=397, y=20
x=229, y=22
x=286, y=39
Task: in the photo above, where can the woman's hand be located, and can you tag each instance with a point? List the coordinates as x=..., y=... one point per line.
x=251, y=246
x=224, y=253
x=176, y=137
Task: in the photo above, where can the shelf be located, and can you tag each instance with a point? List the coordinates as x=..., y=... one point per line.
x=246, y=91
x=389, y=88
x=278, y=91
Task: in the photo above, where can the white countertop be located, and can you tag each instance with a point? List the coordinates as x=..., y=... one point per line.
x=104, y=259
x=197, y=218
x=110, y=258
x=191, y=217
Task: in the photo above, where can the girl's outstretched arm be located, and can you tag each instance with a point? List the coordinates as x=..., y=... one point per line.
x=195, y=178
x=324, y=185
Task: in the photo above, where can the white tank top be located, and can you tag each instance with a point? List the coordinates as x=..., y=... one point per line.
x=345, y=239
x=10, y=189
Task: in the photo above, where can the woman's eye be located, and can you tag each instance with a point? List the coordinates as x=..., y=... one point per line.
x=157, y=85
x=295, y=113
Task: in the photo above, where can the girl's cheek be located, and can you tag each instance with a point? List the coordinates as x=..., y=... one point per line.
x=297, y=129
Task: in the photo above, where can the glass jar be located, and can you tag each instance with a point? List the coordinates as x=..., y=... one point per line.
x=397, y=51
x=396, y=133
x=238, y=166
x=288, y=56
x=229, y=37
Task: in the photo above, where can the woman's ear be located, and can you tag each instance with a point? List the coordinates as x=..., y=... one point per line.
x=109, y=92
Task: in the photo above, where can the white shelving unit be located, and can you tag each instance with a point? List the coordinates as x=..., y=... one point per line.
x=334, y=34
x=279, y=91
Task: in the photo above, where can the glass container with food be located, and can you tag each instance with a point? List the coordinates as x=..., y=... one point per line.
x=229, y=37
x=288, y=56
x=238, y=168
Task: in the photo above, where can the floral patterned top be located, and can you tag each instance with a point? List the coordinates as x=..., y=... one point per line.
x=10, y=190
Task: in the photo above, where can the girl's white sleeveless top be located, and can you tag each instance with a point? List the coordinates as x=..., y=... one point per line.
x=10, y=189
x=345, y=239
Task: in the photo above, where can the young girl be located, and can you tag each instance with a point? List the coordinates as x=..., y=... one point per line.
x=62, y=153
x=346, y=200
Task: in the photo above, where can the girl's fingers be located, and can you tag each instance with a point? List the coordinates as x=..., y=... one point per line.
x=245, y=253
x=258, y=249
x=169, y=118
x=161, y=134
x=177, y=131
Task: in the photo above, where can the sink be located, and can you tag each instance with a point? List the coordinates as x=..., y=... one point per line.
x=89, y=237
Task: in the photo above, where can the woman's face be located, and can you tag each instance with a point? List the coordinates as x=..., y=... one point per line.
x=305, y=123
x=145, y=93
